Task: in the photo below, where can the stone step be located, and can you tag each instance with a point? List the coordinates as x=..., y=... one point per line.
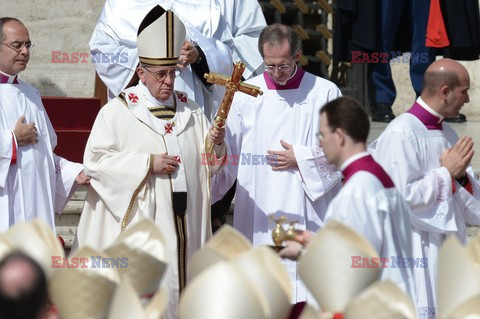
x=66, y=223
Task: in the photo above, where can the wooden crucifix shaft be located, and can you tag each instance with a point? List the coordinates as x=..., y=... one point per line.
x=232, y=85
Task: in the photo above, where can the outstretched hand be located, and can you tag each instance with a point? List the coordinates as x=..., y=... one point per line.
x=82, y=178
x=292, y=250
x=281, y=160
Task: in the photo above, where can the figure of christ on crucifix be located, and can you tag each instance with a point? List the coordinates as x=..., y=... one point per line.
x=232, y=85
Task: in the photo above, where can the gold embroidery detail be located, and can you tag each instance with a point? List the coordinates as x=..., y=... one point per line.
x=135, y=193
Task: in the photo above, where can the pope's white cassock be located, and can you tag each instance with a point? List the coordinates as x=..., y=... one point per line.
x=369, y=203
x=38, y=183
x=410, y=149
x=124, y=189
x=225, y=30
x=287, y=112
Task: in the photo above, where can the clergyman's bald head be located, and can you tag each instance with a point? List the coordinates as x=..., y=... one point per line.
x=445, y=87
x=444, y=72
x=23, y=287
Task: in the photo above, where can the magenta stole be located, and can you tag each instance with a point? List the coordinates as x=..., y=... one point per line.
x=368, y=164
x=293, y=83
x=5, y=79
x=430, y=121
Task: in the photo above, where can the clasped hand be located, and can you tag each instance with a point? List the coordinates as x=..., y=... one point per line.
x=457, y=158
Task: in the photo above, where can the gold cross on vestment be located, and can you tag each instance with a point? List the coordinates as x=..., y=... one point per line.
x=232, y=85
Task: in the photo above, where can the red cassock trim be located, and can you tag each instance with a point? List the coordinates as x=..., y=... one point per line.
x=436, y=32
x=469, y=186
x=14, y=151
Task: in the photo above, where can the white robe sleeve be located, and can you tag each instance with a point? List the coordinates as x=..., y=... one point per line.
x=219, y=61
x=6, y=146
x=469, y=202
x=315, y=174
x=219, y=151
x=118, y=73
x=356, y=212
x=428, y=194
x=242, y=33
x=224, y=180
x=115, y=175
x=66, y=172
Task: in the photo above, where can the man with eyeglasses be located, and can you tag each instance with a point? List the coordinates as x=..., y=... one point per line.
x=34, y=182
x=281, y=124
x=368, y=201
x=144, y=156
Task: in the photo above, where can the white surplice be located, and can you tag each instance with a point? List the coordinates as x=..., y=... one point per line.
x=39, y=183
x=382, y=216
x=224, y=30
x=117, y=158
x=256, y=125
x=411, y=153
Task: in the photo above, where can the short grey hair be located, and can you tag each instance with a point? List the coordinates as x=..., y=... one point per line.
x=275, y=34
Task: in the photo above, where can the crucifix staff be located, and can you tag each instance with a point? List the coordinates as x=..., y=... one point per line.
x=232, y=85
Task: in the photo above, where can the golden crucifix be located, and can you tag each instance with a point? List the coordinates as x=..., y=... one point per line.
x=232, y=85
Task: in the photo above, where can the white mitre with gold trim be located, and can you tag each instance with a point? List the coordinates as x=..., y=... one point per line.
x=223, y=291
x=143, y=249
x=36, y=239
x=326, y=266
x=85, y=291
x=266, y=272
x=226, y=244
x=160, y=38
x=126, y=304
x=458, y=288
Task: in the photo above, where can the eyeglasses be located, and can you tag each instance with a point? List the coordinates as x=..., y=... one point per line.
x=280, y=68
x=18, y=46
x=162, y=75
x=319, y=136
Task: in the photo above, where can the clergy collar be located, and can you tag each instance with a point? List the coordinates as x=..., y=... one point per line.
x=150, y=98
x=352, y=159
x=431, y=119
x=5, y=78
x=292, y=83
x=365, y=162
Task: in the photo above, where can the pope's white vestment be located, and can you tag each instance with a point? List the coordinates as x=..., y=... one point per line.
x=370, y=204
x=124, y=189
x=39, y=183
x=256, y=125
x=410, y=152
